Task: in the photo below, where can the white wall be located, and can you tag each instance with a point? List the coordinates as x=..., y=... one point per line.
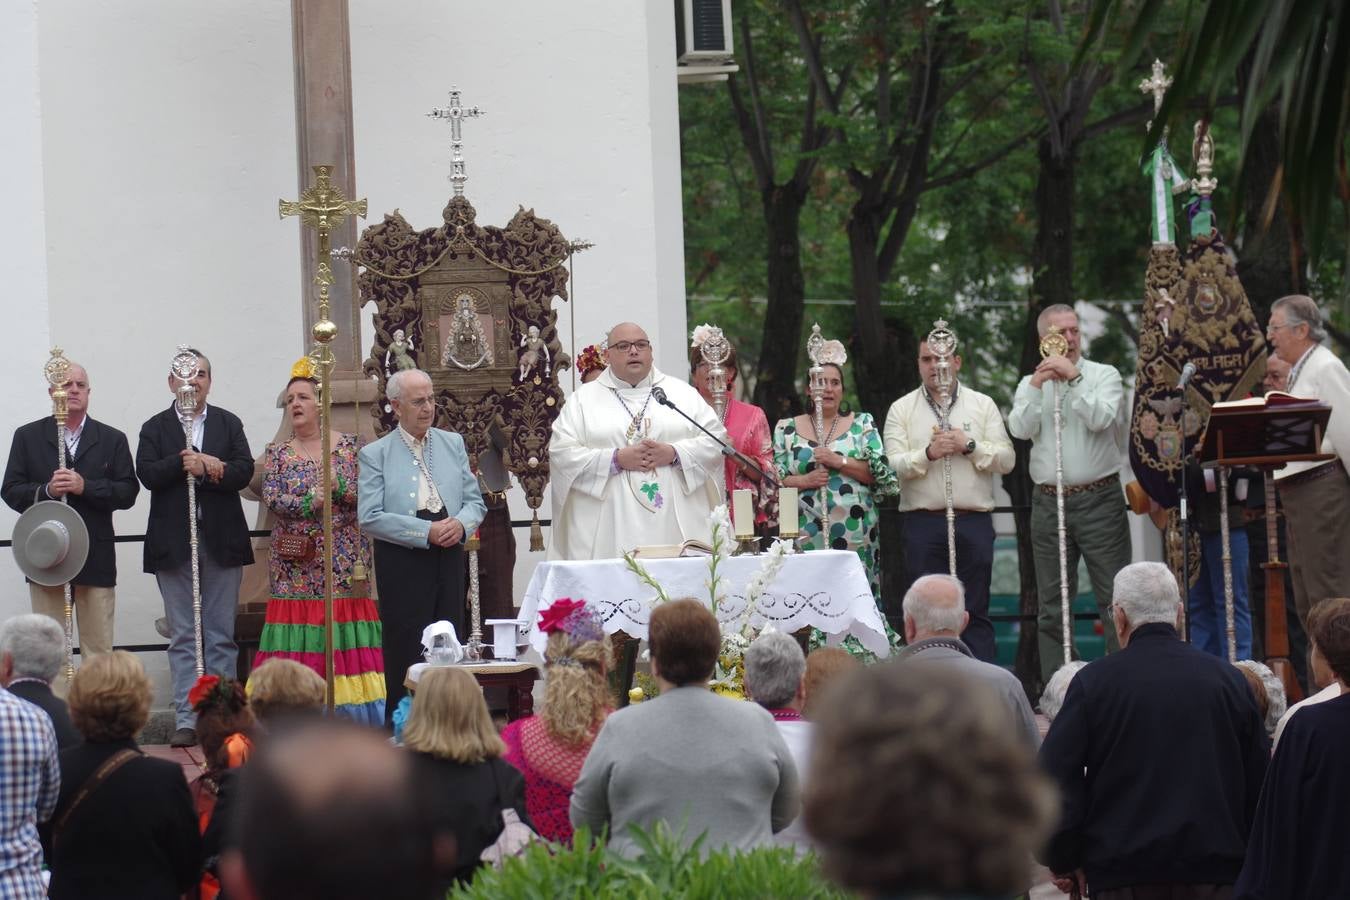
x=580, y=124
x=148, y=141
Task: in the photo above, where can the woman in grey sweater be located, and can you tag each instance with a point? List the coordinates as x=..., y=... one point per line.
x=702, y=764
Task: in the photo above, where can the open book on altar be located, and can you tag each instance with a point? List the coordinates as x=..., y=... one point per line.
x=690, y=547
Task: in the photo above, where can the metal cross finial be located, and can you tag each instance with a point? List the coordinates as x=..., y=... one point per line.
x=1156, y=84
x=456, y=113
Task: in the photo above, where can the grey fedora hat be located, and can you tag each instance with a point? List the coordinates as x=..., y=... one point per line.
x=51, y=543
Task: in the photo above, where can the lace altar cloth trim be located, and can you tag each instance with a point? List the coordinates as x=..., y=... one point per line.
x=824, y=589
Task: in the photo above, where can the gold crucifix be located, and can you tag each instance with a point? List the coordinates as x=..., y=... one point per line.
x=322, y=206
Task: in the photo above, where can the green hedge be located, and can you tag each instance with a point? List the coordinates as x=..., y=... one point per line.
x=666, y=869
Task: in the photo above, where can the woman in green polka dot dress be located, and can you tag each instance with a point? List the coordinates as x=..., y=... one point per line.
x=847, y=469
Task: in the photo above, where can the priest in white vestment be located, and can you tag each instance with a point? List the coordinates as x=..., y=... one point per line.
x=626, y=471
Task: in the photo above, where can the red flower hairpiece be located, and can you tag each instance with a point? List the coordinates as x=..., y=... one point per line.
x=552, y=619
x=202, y=689
x=590, y=359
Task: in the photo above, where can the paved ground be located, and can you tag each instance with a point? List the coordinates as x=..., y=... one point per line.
x=190, y=758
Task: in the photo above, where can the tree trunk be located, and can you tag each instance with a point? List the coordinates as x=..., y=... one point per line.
x=1272, y=263
x=1052, y=282
x=885, y=354
x=776, y=391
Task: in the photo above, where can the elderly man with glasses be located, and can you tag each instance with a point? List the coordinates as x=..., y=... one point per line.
x=1315, y=496
x=419, y=500
x=628, y=471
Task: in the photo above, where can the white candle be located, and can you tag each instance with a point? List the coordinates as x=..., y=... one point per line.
x=787, y=512
x=743, y=513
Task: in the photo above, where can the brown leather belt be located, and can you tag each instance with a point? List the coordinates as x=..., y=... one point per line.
x=958, y=512
x=1071, y=489
x=1311, y=474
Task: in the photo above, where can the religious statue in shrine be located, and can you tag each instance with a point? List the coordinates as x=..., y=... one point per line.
x=467, y=346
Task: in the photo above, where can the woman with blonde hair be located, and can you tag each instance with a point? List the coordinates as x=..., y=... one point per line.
x=124, y=824
x=550, y=748
x=281, y=689
x=458, y=755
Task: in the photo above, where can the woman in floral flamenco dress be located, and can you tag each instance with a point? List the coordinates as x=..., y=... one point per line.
x=292, y=489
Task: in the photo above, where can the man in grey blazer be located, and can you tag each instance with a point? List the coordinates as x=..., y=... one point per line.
x=419, y=500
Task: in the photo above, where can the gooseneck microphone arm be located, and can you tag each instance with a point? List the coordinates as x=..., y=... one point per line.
x=659, y=395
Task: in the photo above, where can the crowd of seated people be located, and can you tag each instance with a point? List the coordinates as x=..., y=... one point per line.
x=910, y=777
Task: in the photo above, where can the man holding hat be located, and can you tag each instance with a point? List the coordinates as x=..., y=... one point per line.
x=98, y=478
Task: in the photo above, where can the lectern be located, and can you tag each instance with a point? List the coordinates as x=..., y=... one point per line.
x=1265, y=433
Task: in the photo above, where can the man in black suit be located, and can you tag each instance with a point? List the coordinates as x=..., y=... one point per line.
x=1160, y=753
x=98, y=478
x=221, y=463
x=32, y=649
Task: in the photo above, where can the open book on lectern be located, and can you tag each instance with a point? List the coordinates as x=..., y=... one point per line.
x=1270, y=430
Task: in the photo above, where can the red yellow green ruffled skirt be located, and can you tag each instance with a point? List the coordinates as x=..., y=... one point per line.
x=294, y=629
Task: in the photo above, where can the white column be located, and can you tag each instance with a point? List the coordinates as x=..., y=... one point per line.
x=667, y=197
x=23, y=225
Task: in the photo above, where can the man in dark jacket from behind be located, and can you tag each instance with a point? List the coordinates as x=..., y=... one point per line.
x=1160, y=753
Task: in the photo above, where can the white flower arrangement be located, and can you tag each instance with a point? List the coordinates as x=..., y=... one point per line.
x=768, y=571
x=721, y=545
x=701, y=334
x=729, y=673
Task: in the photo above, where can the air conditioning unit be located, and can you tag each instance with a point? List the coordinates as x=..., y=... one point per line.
x=702, y=30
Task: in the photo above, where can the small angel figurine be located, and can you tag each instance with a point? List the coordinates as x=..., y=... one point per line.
x=533, y=346
x=398, y=353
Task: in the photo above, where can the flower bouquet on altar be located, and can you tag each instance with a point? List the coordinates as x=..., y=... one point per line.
x=738, y=627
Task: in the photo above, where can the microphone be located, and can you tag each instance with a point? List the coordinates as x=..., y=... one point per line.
x=659, y=395
x=1187, y=373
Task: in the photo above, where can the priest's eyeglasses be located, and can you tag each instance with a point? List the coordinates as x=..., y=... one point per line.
x=625, y=346
x=421, y=402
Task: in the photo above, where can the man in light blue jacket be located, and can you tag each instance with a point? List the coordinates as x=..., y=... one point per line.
x=419, y=500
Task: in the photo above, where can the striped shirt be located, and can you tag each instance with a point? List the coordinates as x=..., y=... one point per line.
x=31, y=781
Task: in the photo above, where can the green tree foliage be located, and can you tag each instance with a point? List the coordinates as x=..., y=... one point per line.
x=1297, y=56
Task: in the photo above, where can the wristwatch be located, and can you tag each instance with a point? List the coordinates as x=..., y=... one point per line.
x=970, y=447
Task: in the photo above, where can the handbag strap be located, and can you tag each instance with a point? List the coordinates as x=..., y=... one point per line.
x=110, y=765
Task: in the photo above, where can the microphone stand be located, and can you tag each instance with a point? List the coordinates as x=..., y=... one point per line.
x=1183, y=507
x=659, y=395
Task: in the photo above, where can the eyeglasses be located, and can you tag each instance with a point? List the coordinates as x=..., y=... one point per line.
x=1270, y=329
x=625, y=346
x=421, y=402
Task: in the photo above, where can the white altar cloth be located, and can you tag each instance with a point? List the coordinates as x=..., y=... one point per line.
x=824, y=589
